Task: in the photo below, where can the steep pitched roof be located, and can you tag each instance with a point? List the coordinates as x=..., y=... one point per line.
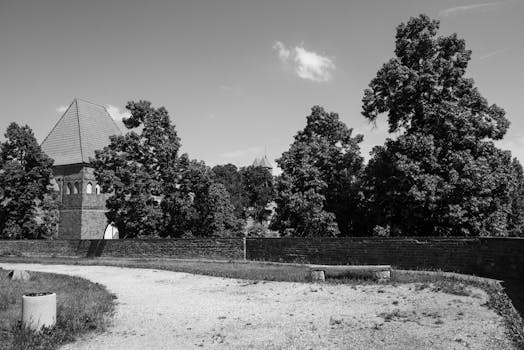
x=82, y=129
x=265, y=163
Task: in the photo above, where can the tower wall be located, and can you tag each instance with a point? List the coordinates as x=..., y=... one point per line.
x=94, y=220
x=82, y=214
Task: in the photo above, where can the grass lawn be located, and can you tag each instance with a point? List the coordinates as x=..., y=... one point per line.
x=229, y=269
x=82, y=306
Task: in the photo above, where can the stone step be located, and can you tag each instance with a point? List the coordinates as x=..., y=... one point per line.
x=381, y=273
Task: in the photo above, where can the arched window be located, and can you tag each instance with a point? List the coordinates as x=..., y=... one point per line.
x=89, y=188
x=97, y=189
x=77, y=188
x=69, y=188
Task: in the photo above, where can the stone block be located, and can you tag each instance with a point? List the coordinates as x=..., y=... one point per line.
x=18, y=275
x=317, y=276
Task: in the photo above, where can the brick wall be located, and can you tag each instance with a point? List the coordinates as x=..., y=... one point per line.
x=490, y=257
x=219, y=248
x=82, y=215
x=501, y=258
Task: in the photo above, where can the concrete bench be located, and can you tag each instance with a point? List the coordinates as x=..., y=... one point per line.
x=380, y=273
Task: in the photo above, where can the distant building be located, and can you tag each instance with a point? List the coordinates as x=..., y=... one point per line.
x=82, y=129
x=263, y=162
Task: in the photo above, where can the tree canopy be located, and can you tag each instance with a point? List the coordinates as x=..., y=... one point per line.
x=27, y=200
x=155, y=192
x=258, y=189
x=229, y=176
x=196, y=205
x=134, y=167
x=317, y=188
x=251, y=189
x=443, y=175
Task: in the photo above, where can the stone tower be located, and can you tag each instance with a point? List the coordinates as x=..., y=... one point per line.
x=82, y=129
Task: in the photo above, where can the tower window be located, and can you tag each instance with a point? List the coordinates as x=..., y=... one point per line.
x=76, y=189
x=69, y=188
x=97, y=189
x=89, y=188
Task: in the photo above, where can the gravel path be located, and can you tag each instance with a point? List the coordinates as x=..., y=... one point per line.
x=171, y=310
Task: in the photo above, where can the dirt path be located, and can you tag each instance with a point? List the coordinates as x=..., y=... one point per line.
x=171, y=310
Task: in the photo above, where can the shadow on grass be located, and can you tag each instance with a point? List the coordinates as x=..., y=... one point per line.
x=515, y=291
x=96, y=248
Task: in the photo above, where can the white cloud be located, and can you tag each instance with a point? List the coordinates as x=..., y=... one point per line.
x=241, y=153
x=61, y=109
x=312, y=66
x=306, y=64
x=283, y=52
x=116, y=113
x=487, y=6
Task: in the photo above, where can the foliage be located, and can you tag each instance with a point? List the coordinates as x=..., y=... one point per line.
x=516, y=216
x=257, y=230
x=134, y=169
x=257, y=185
x=318, y=189
x=229, y=176
x=217, y=213
x=25, y=191
x=48, y=213
x=196, y=205
x=251, y=189
x=154, y=192
x=442, y=175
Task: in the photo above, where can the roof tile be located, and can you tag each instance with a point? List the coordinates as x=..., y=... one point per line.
x=82, y=129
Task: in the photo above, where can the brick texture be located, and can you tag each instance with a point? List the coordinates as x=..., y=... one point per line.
x=219, y=248
x=501, y=258
x=82, y=215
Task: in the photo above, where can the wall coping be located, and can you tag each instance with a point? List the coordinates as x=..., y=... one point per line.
x=355, y=238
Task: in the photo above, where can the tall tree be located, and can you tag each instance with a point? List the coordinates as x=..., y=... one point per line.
x=27, y=200
x=229, y=176
x=317, y=189
x=442, y=175
x=257, y=186
x=196, y=205
x=134, y=168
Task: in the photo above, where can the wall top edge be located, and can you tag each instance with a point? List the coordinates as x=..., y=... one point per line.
x=397, y=238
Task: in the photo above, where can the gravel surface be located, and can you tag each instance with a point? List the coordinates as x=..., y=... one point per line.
x=170, y=310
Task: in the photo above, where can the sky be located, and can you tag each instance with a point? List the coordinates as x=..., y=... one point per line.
x=238, y=77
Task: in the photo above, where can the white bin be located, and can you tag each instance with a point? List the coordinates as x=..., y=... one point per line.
x=38, y=310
